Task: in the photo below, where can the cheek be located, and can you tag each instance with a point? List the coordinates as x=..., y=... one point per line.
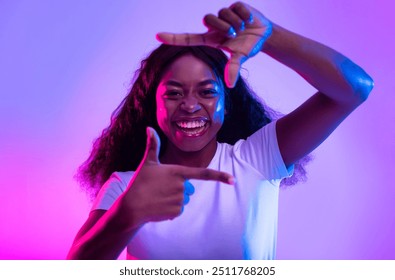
x=219, y=110
x=161, y=112
x=164, y=112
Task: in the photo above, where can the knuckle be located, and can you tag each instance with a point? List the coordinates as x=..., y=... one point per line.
x=179, y=188
x=174, y=172
x=205, y=173
x=177, y=211
x=224, y=177
x=205, y=19
x=180, y=198
x=238, y=4
x=223, y=12
x=208, y=18
x=174, y=212
x=178, y=183
x=241, y=9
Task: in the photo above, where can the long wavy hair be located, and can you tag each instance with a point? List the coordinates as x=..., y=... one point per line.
x=122, y=144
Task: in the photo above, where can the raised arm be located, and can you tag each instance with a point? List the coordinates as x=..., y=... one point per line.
x=342, y=85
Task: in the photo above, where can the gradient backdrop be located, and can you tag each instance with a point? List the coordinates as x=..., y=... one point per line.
x=66, y=65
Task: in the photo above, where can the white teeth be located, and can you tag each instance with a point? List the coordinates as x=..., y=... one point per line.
x=191, y=124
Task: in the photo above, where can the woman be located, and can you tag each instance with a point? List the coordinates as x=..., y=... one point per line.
x=189, y=196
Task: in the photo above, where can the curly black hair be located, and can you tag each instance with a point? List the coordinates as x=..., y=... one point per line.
x=122, y=144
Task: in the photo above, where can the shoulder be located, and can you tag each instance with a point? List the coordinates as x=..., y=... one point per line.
x=263, y=138
x=261, y=151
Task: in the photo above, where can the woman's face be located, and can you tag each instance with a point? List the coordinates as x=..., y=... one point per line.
x=190, y=104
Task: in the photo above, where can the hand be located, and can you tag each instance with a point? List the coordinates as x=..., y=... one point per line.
x=158, y=191
x=240, y=30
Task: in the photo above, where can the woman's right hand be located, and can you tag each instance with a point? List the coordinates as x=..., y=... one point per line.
x=158, y=191
x=239, y=29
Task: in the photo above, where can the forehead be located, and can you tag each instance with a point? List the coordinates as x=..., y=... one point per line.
x=188, y=69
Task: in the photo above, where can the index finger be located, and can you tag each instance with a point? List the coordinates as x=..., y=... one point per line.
x=206, y=174
x=185, y=39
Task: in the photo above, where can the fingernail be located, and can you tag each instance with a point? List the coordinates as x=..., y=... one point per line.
x=242, y=26
x=251, y=19
x=232, y=180
x=232, y=32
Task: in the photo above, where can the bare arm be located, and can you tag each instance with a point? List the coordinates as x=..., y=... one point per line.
x=342, y=86
x=102, y=236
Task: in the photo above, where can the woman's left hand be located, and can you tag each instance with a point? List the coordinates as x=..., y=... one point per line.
x=240, y=30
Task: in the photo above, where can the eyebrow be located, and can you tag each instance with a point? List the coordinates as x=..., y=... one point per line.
x=202, y=83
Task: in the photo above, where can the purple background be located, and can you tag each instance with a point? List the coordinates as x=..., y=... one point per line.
x=66, y=65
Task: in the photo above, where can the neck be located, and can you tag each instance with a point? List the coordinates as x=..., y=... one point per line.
x=201, y=158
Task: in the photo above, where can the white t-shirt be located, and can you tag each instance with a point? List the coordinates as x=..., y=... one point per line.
x=221, y=221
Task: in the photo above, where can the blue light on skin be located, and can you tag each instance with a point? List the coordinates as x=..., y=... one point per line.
x=360, y=82
x=231, y=32
x=242, y=26
x=220, y=109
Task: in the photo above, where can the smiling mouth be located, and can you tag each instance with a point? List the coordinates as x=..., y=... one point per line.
x=192, y=128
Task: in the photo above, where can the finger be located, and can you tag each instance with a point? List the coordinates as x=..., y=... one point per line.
x=153, y=146
x=189, y=189
x=232, y=69
x=232, y=18
x=243, y=11
x=205, y=174
x=214, y=23
x=185, y=39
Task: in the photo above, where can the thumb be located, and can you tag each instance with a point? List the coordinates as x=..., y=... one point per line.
x=153, y=146
x=232, y=69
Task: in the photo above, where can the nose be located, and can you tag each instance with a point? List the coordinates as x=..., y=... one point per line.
x=190, y=104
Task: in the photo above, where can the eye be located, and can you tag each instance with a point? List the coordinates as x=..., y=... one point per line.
x=210, y=92
x=173, y=94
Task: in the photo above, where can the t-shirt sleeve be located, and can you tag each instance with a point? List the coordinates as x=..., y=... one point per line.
x=110, y=191
x=261, y=150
